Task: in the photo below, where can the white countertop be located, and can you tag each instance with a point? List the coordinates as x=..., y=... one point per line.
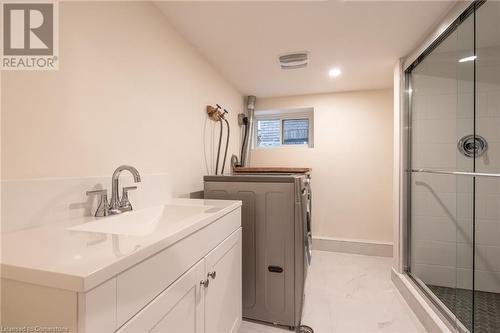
x=61, y=255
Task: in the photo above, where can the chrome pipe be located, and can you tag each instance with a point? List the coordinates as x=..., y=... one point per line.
x=458, y=173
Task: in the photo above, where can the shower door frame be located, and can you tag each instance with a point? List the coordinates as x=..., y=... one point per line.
x=449, y=25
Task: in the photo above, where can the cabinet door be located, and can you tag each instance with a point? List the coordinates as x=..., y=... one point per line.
x=223, y=295
x=178, y=309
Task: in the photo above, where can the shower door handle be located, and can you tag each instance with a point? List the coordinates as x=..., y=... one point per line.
x=457, y=173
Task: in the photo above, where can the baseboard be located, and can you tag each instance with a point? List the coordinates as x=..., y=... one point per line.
x=423, y=308
x=365, y=247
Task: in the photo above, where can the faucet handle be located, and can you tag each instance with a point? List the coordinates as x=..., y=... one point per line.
x=103, y=208
x=94, y=192
x=129, y=188
x=125, y=204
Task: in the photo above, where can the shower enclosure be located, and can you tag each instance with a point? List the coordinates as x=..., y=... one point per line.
x=453, y=170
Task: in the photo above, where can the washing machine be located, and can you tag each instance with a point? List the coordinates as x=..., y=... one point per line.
x=276, y=222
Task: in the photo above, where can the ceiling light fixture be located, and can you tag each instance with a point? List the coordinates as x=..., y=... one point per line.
x=467, y=59
x=335, y=72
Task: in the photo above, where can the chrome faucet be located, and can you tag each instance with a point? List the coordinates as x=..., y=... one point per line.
x=118, y=206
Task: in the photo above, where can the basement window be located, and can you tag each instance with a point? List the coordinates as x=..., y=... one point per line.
x=284, y=128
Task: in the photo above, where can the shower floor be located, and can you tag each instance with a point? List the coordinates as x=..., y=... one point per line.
x=459, y=301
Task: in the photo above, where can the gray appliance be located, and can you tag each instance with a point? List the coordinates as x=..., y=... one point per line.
x=276, y=221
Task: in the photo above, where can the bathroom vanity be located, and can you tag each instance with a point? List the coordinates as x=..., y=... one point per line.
x=171, y=268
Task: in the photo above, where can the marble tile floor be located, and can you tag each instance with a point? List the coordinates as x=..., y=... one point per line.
x=350, y=293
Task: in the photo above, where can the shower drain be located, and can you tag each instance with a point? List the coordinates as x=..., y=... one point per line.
x=472, y=145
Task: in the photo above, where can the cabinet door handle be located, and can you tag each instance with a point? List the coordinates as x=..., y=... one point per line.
x=212, y=275
x=204, y=283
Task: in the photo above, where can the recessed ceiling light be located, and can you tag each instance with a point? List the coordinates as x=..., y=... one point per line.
x=466, y=59
x=334, y=72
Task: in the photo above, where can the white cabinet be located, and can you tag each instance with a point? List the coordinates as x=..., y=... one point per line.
x=223, y=304
x=207, y=298
x=177, y=309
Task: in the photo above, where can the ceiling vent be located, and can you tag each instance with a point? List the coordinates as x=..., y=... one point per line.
x=294, y=60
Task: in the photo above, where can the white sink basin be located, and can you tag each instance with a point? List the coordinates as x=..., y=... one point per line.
x=142, y=222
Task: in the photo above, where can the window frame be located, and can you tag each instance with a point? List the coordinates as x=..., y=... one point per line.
x=285, y=114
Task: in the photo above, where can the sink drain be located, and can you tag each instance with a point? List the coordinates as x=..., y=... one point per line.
x=472, y=145
x=305, y=329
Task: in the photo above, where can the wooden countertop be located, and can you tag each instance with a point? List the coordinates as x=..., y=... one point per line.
x=270, y=170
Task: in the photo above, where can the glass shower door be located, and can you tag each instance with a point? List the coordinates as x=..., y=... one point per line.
x=441, y=214
x=487, y=196
x=454, y=181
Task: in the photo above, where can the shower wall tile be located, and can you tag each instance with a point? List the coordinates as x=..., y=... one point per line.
x=426, y=84
x=487, y=187
x=487, y=281
x=434, y=155
x=443, y=204
x=464, y=255
x=464, y=278
x=465, y=105
x=464, y=231
x=488, y=258
x=487, y=206
x=484, y=86
x=487, y=228
x=442, y=106
x=464, y=163
x=489, y=128
x=424, y=182
x=418, y=204
x=484, y=280
x=465, y=126
x=432, y=204
x=488, y=233
x=419, y=110
x=493, y=104
x=464, y=184
x=490, y=161
x=436, y=275
x=457, y=278
x=434, y=253
x=431, y=228
x=434, y=131
x=482, y=106
x=465, y=206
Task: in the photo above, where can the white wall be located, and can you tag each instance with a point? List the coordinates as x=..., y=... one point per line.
x=129, y=90
x=351, y=162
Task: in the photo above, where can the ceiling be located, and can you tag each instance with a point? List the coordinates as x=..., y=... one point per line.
x=243, y=40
